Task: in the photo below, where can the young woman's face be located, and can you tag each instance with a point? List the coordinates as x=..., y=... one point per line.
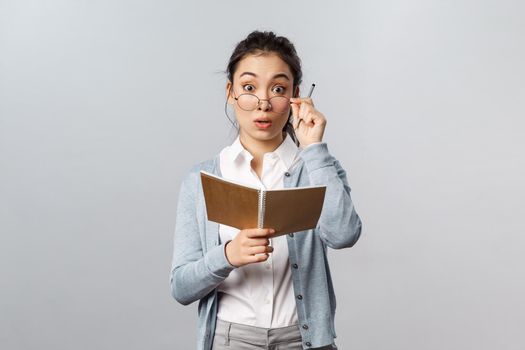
x=264, y=76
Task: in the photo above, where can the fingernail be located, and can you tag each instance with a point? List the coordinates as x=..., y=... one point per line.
x=272, y=230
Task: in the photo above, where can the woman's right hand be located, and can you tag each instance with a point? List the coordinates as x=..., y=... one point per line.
x=249, y=246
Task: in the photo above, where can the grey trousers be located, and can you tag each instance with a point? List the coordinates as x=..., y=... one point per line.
x=234, y=336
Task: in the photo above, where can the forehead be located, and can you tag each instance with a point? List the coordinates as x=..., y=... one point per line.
x=265, y=66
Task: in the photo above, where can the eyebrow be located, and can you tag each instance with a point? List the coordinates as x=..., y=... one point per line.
x=280, y=75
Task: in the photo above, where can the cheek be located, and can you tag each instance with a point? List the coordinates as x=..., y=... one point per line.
x=286, y=116
x=241, y=114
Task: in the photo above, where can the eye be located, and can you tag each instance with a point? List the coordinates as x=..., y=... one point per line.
x=279, y=90
x=248, y=87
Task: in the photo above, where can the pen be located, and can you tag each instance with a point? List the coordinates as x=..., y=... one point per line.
x=309, y=95
x=311, y=90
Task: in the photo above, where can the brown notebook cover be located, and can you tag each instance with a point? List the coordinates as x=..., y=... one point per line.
x=240, y=206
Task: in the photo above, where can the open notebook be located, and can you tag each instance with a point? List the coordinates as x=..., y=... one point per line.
x=285, y=210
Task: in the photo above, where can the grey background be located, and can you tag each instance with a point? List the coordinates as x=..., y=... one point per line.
x=104, y=106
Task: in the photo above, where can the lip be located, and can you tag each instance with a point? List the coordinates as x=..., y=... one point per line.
x=262, y=119
x=263, y=123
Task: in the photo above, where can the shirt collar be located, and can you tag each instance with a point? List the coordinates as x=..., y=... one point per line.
x=286, y=151
x=237, y=150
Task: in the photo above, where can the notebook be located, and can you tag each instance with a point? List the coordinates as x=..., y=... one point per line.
x=285, y=210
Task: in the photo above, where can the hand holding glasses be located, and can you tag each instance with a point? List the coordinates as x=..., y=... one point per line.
x=278, y=104
x=311, y=131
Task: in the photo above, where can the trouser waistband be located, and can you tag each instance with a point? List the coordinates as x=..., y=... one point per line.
x=258, y=335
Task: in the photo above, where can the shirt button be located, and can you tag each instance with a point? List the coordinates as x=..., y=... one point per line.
x=299, y=297
x=305, y=326
x=268, y=267
x=287, y=174
x=295, y=266
x=308, y=343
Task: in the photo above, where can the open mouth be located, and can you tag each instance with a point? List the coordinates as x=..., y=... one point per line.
x=263, y=124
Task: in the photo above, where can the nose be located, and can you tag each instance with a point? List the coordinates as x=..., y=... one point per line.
x=264, y=105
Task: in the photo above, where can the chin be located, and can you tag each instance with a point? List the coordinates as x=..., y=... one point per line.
x=262, y=135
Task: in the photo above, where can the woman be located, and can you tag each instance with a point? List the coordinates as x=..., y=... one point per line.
x=253, y=294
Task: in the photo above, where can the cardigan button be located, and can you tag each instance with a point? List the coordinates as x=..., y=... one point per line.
x=305, y=326
x=299, y=297
x=295, y=266
x=308, y=344
x=287, y=174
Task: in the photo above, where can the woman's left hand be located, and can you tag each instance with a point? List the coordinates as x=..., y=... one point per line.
x=308, y=122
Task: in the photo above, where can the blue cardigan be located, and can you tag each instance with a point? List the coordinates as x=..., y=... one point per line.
x=200, y=264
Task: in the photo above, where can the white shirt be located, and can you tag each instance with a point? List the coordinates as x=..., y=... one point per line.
x=259, y=294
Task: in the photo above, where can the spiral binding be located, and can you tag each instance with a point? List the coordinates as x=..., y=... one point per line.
x=262, y=207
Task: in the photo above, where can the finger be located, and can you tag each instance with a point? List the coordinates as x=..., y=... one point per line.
x=259, y=250
x=254, y=242
x=296, y=113
x=259, y=232
x=295, y=110
x=299, y=120
x=296, y=122
x=309, y=119
x=315, y=118
x=294, y=118
x=258, y=258
x=304, y=110
x=301, y=100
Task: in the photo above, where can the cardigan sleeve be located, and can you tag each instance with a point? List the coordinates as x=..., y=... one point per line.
x=194, y=274
x=339, y=225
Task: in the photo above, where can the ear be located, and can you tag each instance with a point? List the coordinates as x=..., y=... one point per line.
x=228, y=92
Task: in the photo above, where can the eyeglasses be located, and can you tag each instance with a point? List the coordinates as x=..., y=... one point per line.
x=250, y=102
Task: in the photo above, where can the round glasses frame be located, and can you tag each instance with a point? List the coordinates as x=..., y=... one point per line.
x=259, y=102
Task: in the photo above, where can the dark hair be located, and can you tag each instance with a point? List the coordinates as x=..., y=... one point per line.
x=267, y=42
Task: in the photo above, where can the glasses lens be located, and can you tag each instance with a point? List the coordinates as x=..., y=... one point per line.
x=280, y=104
x=248, y=102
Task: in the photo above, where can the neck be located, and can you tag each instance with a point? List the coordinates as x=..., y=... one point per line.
x=258, y=148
